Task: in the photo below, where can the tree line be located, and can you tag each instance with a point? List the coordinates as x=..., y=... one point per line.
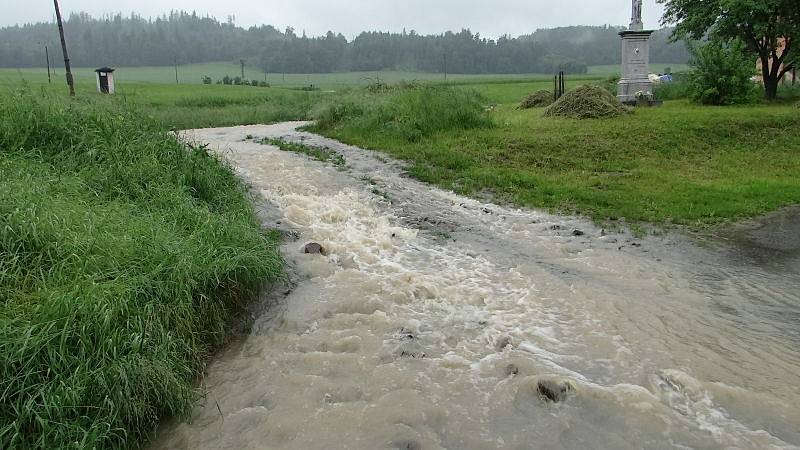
x=185, y=37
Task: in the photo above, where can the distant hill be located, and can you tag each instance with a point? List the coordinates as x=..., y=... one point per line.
x=190, y=38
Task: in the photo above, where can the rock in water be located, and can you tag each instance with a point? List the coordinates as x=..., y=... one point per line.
x=314, y=249
x=502, y=343
x=512, y=369
x=554, y=391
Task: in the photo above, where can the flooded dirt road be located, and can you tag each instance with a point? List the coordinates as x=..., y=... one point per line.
x=434, y=321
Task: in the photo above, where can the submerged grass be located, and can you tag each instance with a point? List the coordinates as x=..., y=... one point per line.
x=124, y=254
x=318, y=153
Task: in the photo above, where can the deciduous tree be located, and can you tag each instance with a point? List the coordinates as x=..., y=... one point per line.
x=763, y=25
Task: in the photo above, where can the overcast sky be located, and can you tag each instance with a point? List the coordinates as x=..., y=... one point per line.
x=491, y=18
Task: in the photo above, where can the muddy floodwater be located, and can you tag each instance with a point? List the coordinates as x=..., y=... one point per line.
x=433, y=321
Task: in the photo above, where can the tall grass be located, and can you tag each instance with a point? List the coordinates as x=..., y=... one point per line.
x=123, y=256
x=408, y=111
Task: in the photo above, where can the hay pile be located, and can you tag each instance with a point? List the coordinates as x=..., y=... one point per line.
x=538, y=99
x=586, y=102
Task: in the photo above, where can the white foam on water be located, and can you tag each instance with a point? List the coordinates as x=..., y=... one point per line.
x=399, y=338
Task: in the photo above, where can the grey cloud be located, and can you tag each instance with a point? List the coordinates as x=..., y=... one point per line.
x=490, y=18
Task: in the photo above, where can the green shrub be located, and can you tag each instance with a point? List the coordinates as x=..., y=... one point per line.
x=207, y=80
x=227, y=80
x=411, y=112
x=789, y=92
x=124, y=254
x=672, y=91
x=722, y=74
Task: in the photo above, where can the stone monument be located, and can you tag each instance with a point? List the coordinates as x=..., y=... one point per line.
x=635, y=59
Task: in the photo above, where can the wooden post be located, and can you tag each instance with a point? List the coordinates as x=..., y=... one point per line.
x=67, y=68
x=555, y=88
x=445, y=65
x=176, y=71
x=47, y=57
x=241, y=61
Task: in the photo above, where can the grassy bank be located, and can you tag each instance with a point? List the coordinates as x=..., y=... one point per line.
x=123, y=256
x=680, y=163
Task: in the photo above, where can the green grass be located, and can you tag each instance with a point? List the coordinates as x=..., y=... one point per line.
x=124, y=255
x=408, y=113
x=591, y=167
x=191, y=105
x=681, y=163
x=194, y=73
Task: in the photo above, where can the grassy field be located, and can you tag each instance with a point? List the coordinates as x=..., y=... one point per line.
x=124, y=255
x=681, y=163
x=594, y=168
x=194, y=73
x=190, y=105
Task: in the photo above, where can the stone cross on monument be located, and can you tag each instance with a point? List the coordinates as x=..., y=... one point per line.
x=635, y=59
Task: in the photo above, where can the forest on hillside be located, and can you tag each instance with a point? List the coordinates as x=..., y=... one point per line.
x=185, y=37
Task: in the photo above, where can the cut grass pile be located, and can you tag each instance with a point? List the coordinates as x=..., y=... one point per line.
x=538, y=99
x=124, y=256
x=586, y=102
x=410, y=112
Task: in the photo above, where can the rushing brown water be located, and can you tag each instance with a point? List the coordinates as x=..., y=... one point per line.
x=433, y=320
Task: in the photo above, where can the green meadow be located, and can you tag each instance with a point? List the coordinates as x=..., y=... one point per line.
x=677, y=164
x=194, y=73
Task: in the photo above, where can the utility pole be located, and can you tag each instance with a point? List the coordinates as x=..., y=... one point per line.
x=176, y=70
x=47, y=57
x=67, y=67
x=444, y=56
x=241, y=61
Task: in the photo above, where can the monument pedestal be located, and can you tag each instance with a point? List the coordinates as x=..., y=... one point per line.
x=635, y=65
